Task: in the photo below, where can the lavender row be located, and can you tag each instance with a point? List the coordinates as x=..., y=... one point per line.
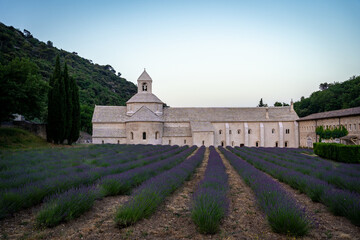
x=209, y=202
x=334, y=177
x=52, y=212
x=13, y=200
x=148, y=196
x=340, y=202
x=112, y=167
x=282, y=212
x=54, y=160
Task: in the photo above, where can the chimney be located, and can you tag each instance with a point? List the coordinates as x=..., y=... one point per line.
x=267, y=113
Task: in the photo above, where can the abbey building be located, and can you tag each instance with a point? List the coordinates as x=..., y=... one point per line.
x=145, y=120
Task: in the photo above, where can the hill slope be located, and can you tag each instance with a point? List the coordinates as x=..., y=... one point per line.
x=97, y=84
x=16, y=138
x=336, y=96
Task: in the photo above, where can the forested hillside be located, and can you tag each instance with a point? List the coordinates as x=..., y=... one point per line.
x=331, y=96
x=98, y=84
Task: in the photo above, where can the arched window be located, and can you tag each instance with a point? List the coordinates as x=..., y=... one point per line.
x=273, y=131
x=220, y=131
x=222, y=143
x=203, y=142
x=118, y=141
x=157, y=135
x=276, y=144
x=232, y=143
x=184, y=141
x=229, y=131
x=169, y=142
x=257, y=143
x=132, y=136
x=102, y=142
x=144, y=135
x=287, y=131
x=286, y=144
x=144, y=87
x=249, y=131
x=239, y=131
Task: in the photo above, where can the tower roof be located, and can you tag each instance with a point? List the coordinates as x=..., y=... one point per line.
x=144, y=76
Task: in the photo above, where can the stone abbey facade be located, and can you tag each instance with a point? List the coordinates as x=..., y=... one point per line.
x=145, y=120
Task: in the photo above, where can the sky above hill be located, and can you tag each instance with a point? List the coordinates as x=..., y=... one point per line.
x=206, y=53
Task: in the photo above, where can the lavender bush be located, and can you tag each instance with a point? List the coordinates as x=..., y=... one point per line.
x=340, y=202
x=283, y=213
x=147, y=197
x=209, y=202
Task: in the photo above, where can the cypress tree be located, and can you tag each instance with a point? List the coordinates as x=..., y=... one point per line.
x=68, y=104
x=75, y=127
x=52, y=102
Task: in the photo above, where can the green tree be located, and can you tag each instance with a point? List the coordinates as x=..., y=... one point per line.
x=75, y=103
x=56, y=106
x=22, y=90
x=68, y=103
x=261, y=104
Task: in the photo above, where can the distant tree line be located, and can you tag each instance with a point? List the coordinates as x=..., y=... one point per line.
x=332, y=96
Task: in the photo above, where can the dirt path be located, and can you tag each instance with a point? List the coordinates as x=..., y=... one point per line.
x=245, y=219
x=172, y=220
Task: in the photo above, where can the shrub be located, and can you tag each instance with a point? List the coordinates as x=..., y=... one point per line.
x=338, y=152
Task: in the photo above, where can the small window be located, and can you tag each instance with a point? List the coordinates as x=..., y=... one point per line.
x=241, y=145
x=157, y=135
x=203, y=142
x=232, y=143
x=220, y=131
x=132, y=136
x=102, y=142
x=350, y=127
x=287, y=131
x=249, y=131
x=169, y=142
x=144, y=135
x=273, y=131
x=184, y=141
x=286, y=144
x=118, y=141
x=222, y=143
x=144, y=87
x=354, y=126
x=276, y=144
x=257, y=144
x=239, y=131
x=229, y=131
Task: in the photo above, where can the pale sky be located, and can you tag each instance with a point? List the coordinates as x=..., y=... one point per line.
x=206, y=53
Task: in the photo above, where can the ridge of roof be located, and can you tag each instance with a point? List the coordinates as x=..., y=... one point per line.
x=332, y=114
x=144, y=97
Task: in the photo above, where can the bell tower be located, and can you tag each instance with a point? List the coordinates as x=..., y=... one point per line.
x=144, y=83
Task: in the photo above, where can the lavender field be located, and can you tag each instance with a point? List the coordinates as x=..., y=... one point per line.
x=148, y=192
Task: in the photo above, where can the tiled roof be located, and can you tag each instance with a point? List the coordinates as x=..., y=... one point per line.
x=144, y=97
x=144, y=76
x=333, y=114
x=228, y=114
x=109, y=114
x=144, y=114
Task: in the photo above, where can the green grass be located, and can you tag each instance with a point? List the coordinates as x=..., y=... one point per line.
x=15, y=138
